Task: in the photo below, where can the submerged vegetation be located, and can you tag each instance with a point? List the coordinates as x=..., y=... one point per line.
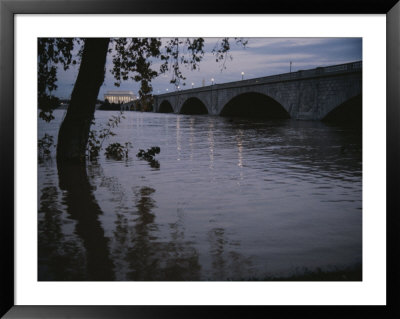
x=97, y=138
x=118, y=151
x=114, y=150
x=44, y=146
x=149, y=156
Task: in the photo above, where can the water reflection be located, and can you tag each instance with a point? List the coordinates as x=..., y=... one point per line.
x=60, y=255
x=191, y=136
x=239, y=139
x=233, y=200
x=217, y=242
x=142, y=254
x=178, y=137
x=152, y=259
x=226, y=262
x=211, y=144
x=141, y=262
x=317, y=146
x=83, y=208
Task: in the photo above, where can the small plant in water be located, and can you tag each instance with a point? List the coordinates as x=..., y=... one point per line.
x=44, y=146
x=149, y=154
x=118, y=151
x=97, y=138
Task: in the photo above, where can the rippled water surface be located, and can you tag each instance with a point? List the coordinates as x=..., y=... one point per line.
x=229, y=199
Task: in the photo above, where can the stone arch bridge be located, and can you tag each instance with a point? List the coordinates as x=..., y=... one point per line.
x=314, y=94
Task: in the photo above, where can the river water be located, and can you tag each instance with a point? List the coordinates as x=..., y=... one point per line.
x=228, y=199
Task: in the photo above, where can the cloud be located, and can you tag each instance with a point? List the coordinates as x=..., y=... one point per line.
x=262, y=57
x=283, y=42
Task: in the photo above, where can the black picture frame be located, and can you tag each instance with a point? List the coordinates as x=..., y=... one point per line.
x=8, y=10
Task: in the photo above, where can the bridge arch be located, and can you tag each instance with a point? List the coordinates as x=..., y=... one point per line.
x=350, y=111
x=165, y=107
x=193, y=105
x=254, y=104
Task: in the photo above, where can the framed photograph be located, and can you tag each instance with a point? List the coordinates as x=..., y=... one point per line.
x=163, y=160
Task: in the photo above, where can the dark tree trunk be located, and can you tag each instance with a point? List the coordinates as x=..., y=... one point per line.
x=74, y=130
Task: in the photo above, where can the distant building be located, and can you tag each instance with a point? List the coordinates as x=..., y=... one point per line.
x=119, y=96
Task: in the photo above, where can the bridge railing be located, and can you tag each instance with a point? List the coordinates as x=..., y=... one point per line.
x=301, y=74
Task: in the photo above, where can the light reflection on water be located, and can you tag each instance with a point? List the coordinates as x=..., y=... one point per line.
x=230, y=199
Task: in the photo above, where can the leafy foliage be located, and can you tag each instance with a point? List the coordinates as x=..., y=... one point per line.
x=132, y=58
x=52, y=52
x=149, y=154
x=44, y=146
x=118, y=151
x=96, y=138
x=221, y=50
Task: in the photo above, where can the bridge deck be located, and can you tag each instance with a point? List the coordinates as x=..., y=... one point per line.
x=293, y=76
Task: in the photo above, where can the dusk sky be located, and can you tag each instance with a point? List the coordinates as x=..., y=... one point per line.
x=261, y=57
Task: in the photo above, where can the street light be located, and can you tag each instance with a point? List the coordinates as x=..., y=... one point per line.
x=167, y=90
x=242, y=75
x=212, y=81
x=192, y=85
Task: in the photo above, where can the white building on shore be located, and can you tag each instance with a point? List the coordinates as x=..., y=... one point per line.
x=119, y=97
